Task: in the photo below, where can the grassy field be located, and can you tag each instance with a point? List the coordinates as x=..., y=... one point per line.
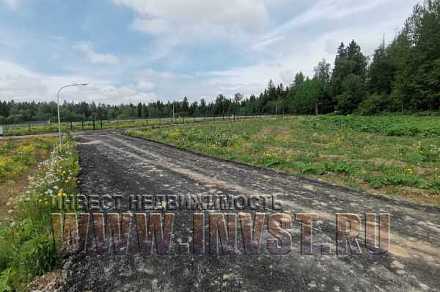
x=391, y=155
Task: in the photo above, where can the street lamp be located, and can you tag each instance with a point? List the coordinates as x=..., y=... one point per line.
x=58, y=106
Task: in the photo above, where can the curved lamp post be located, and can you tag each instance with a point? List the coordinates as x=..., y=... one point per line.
x=58, y=106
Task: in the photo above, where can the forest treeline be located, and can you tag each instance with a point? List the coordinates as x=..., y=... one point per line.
x=403, y=76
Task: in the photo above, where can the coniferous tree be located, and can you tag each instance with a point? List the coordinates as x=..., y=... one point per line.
x=323, y=76
x=381, y=72
x=350, y=70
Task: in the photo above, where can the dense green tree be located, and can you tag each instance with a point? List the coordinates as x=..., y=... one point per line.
x=350, y=69
x=352, y=95
x=324, y=103
x=306, y=97
x=424, y=84
x=381, y=72
x=185, y=106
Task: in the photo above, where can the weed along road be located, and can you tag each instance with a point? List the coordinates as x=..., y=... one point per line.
x=281, y=232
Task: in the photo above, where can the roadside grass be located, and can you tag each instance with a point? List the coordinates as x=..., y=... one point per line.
x=391, y=155
x=18, y=158
x=26, y=245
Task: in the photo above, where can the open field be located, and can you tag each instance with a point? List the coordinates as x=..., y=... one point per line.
x=394, y=155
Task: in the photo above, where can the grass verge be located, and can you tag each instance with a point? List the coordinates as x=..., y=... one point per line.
x=26, y=244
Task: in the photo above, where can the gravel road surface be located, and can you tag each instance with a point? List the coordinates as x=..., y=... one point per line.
x=116, y=164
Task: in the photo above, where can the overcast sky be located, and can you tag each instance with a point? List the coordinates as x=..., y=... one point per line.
x=143, y=50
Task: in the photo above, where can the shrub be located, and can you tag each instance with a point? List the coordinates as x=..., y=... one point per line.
x=435, y=185
x=395, y=180
x=340, y=167
x=308, y=167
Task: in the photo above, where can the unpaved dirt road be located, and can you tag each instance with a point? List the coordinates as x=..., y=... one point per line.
x=116, y=164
